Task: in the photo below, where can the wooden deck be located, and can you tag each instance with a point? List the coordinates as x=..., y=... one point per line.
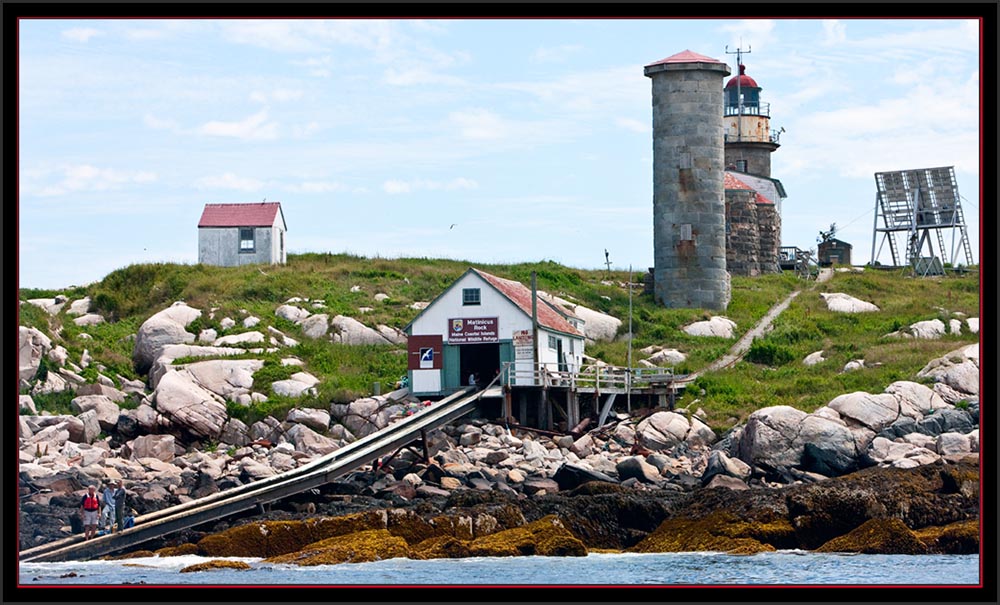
x=551, y=399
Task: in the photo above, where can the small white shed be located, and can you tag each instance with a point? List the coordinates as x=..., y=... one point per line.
x=230, y=235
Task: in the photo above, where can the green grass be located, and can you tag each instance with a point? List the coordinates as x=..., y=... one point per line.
x=55, y=403
x=772, y=373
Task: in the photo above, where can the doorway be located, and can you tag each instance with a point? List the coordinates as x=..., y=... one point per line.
x=481, y=361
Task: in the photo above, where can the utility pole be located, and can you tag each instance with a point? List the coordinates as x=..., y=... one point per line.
x=628, y=371
x=534, y=320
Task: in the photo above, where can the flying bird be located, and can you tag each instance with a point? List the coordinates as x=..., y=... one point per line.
x=452, y=225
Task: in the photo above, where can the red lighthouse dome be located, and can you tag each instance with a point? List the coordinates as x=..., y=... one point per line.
x=742, y=80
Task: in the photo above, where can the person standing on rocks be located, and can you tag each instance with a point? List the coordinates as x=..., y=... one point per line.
x=108, y=507
x=119, y=496
x=90, y=507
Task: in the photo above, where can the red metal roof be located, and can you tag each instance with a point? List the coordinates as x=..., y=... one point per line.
x=744, y=82
x=743, y=79
x=686, y=57
x=731, y=182
x=520, y=295
x=763, y=200
x=240, y=215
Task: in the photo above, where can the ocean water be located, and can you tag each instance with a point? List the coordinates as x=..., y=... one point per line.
x=783, y=568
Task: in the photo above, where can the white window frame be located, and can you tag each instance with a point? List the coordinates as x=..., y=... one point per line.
x=252, y=240
x=472, y=297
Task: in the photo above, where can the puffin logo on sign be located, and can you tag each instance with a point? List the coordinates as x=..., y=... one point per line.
x=426, y=358
x=457, y=325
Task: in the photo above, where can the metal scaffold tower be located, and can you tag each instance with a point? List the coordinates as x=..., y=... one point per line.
x=920, y=205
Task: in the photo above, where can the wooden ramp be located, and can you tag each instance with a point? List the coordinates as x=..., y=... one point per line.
x=312, y=475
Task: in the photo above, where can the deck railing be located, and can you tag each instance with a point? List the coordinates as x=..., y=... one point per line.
x=588, y=377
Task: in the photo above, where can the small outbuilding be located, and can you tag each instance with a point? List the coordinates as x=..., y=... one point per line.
x=482, y=324
x=833, y=252
x=230, y=235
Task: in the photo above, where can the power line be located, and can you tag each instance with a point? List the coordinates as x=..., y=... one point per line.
x=856, y=220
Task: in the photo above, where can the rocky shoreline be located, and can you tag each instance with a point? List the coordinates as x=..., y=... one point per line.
x=931, y=509
x=488, y=480
x=895, y=471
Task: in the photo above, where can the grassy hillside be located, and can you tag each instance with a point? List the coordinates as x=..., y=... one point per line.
x=130, y=295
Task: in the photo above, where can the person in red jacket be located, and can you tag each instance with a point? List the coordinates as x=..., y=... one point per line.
x=90, y=507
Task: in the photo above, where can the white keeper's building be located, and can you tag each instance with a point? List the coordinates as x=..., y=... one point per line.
x=481, y=323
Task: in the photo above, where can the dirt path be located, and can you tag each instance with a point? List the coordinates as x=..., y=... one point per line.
x=742, y=345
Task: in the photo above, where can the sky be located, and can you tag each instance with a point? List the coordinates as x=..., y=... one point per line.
x=491, y=141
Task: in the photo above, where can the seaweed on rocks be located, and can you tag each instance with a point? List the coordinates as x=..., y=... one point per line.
x=614, y=520
x=272, y=538
x=546, y=537
x=719, y=531
x=876, y=537
x=919, y=497
x=216, y=564
x=357, y=547
x=441, y=547
x=960, y=538
x=177, y=551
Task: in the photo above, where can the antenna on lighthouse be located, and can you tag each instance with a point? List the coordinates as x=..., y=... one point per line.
x=739, y=80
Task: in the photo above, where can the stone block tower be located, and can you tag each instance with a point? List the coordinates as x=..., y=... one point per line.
x=689, y=214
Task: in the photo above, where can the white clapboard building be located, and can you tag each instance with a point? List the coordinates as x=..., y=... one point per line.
x=482, y=324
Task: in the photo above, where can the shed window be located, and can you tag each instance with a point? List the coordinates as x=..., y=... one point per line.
x=470, y=296
x=247, y=240
x=553, y=342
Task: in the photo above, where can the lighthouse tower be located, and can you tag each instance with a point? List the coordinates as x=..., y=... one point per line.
x=689, y=216
x=749, y=141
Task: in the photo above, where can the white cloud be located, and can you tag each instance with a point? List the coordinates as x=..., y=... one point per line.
x=420, y=76
x=962, y=37
x=302, y=132
x=396, y=187
x=279, y=94
x=80, y=178
x=749, y=32
x=555, y=54
x=319, y=67
x=164, y=29
x=479, y=124
x=634, y=125
x=255, y=127
x=862, y=139
x=589, y=92
x=318, y=187
x=156, y=123
x=229, y=180
x=461, y=183
x=81, y=34
x=143, y=34
x=834, y=32
x=311, y=35
x=278, y=35
x=431, y=27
